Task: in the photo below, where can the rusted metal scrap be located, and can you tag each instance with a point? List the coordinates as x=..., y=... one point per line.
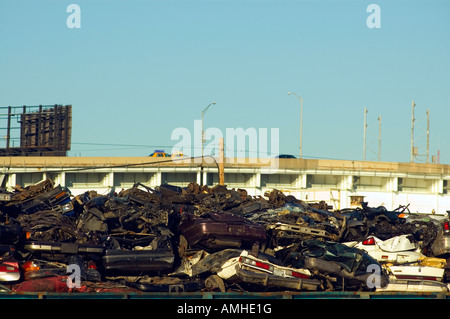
x=144, y=238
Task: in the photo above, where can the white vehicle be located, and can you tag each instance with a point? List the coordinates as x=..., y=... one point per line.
x=401, y=285
x=250, y=269
x=415, y=278
x=397, y=250
x=417, y=272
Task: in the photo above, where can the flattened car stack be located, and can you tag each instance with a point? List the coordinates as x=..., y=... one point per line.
x=200, y=238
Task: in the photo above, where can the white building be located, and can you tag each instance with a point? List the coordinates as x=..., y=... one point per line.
x=424, y=187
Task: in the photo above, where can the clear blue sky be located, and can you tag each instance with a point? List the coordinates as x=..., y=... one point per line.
x=138, y=69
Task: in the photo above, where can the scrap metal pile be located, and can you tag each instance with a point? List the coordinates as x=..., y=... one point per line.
x=201, y=238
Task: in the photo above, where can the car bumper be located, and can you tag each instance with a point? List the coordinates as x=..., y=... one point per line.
x=269, y=280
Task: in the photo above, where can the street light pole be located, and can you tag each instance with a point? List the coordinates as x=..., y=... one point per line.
x=201, y=167
x=203, y=113
x=301, y=119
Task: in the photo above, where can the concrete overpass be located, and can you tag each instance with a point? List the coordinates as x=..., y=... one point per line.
x=425, y=187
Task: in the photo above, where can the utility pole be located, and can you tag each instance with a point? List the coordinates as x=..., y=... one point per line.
x=301, y=126
x=365, y=132
x=412, y=131
x=221, y=162
x=379, y=138
x=301, y=120
x=428, y=135
x=414, y=149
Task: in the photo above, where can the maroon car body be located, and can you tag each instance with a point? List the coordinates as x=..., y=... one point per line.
x=217, y=230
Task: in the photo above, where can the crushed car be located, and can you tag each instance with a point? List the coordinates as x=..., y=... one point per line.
x=340, y=267
x=397, y=250
x=199, y=238
x=426, y=275
x=262, y=273
x=9, y=265
x=247, y=270
x=218, y=230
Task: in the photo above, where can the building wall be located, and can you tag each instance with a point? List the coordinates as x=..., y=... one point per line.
x=424, y=187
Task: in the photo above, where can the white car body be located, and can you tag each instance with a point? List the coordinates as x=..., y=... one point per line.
x=397, y=250
x=247, y=261
x=415, y=279
x=250, y=269
x=417, y=273
x=396, y=285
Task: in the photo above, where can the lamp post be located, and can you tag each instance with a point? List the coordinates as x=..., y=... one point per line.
x=203, y=113
x=201, y=167
x=301, y=119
